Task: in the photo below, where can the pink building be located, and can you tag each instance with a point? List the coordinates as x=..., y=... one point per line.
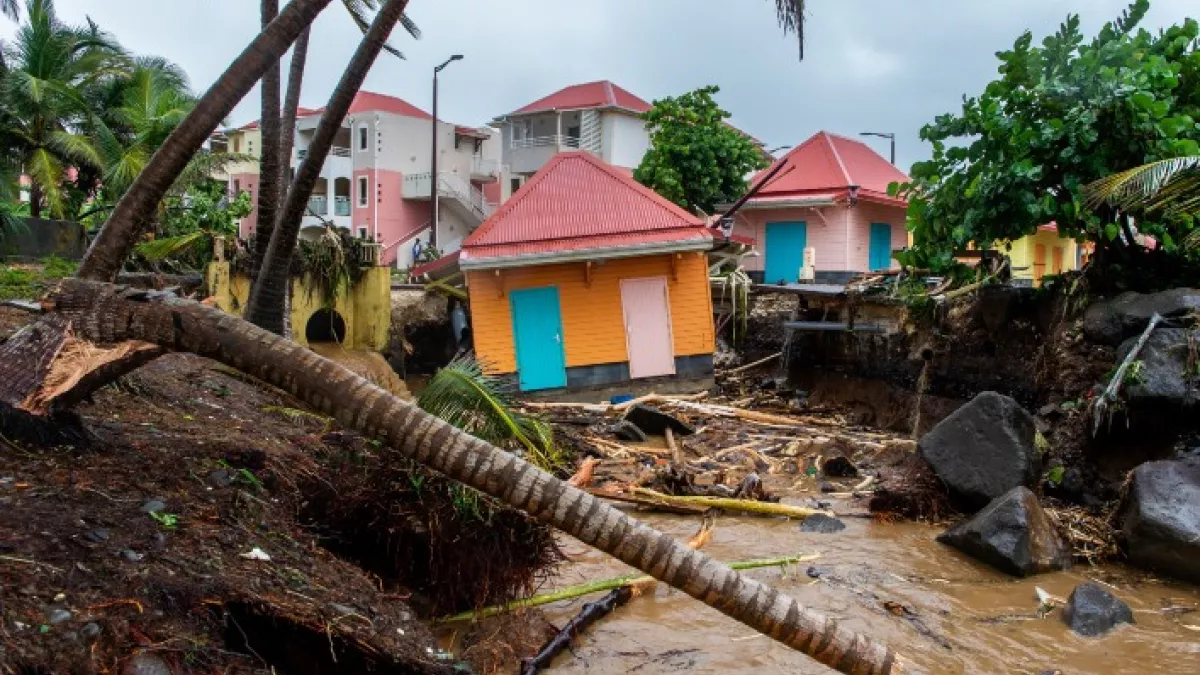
x=831, y=196
x=376, y=180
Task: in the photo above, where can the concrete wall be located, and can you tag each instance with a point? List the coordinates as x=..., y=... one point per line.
x=366, y=308
x=624, y=139
x=388, y=217
x=592, y=315
x=43, y=238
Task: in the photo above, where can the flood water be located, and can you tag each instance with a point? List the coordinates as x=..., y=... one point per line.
x=958, y=602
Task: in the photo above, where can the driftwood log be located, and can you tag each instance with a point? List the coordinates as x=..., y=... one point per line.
x=590, y=614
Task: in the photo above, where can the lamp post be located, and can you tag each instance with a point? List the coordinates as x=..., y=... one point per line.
x=433, y=173
x=891, y=137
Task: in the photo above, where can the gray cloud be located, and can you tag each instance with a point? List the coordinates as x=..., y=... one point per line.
x=871, y=64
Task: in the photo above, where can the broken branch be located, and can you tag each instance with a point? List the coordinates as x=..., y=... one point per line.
x=743, y=505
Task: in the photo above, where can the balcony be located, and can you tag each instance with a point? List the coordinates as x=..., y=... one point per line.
x=452, y=188
x=318, y=205
x=484, y=170
x=335, y=151
x=341, y=206
x=560, y=141
x=527, y=155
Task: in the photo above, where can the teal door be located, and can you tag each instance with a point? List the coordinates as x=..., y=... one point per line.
x=785, y=252
x=537, y=333
x=881, y=246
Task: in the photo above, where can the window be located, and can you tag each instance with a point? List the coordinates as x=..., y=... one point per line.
x=362, y=232
x=362, y=138
x=362, y=191
x=516, y=185
x=250, y=147
x=237, y=187
x=237, y=143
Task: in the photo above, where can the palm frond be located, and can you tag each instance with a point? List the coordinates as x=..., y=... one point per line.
x=167, y=247
x=791, y=18
x=1166, y=185
x=360, y=14
x=479, y=404
x=76, y=147
x=11, y=9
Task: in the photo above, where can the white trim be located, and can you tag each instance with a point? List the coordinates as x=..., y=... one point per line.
x=582, y=255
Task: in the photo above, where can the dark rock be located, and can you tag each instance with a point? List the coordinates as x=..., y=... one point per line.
x=1160, y=518
x=822, y=524
x=628, y=431
x=816, y=572
x=90, y=631
x=154, y=506
x=220, y=478
x=1092, y=611
x=146, y=664
x=828, y=487
x=653, y=421
x=1112, y=321
x=983, y=450
x=58, y=616
x=132, y=556
x=97, y=535
x=1049, y=409
x=839, y=467
x=1013, y=534
x=1163, y=378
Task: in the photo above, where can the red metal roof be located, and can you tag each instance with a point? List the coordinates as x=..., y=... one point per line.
x=577, y=202
x=364, y=101
x=829, y=163
x=434, y=265
x=602, y=94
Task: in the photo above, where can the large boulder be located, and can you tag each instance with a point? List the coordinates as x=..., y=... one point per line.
x=1163, y=377
x=1112, y=321
x=983, y=450
x=1160, y=518
x=1092, y=611
x=1013, y=534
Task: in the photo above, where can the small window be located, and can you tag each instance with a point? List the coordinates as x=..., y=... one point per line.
x=250, y=147
x=362, y=138
x=362, y=233
x=516, y=184
x=362, y=191
x=237, y=143
x=237, y=187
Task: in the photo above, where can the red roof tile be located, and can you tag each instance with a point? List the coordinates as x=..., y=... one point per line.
x=368, y=101
x=575, y=203
x=827, y=162
x=602, y=94
x=434, y=265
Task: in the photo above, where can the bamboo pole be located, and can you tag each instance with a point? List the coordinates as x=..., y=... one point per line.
x=1118, y=378
x=752, y=366
x=744, y=505
x=607, y=585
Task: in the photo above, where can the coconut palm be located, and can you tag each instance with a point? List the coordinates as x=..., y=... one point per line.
x=52, y=64
x=1168, y=186
x=791, y=19
x=269, y=290
x=11, y=9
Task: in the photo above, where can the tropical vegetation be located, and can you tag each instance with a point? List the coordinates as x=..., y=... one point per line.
x=1062, y=115
x=696, y=159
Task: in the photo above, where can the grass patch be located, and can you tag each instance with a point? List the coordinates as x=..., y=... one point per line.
x=30, y=281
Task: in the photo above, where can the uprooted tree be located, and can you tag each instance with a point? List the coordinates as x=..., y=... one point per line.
x=93, y=330
x=1060, y=116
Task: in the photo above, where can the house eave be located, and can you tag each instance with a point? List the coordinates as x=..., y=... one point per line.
x=468, y=263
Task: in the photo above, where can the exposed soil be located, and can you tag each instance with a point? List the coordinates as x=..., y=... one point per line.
x=91, y=582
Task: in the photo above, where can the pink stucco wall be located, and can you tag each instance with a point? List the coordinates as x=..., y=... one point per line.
x=247, y=182
x=840, y=234
x=493, y=191
x=395, y=219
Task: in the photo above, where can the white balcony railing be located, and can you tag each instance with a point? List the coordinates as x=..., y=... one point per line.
x=561, y=141
x=318, y=205
x=333, y=152
x=417, y=186
x=484, y=167
x=341, y=206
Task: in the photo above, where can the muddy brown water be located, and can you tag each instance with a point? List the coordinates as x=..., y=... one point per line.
x=972, y=619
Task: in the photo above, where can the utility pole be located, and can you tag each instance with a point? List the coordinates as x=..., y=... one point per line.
x=891, y=137
x=433, y=172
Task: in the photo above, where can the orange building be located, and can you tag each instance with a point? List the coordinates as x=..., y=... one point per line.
x=585, y=278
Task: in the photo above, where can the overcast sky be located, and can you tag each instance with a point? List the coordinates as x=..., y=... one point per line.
x=871, y=65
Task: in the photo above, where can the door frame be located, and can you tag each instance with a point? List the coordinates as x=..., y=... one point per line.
x=670, y=322
x=562, y=340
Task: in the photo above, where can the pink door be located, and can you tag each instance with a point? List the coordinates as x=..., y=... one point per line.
x=648, y=327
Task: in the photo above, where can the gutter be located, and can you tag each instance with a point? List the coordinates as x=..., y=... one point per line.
x=582, y=255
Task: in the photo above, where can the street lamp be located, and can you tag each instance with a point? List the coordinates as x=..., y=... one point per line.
x=433, y=173
x=891, y=137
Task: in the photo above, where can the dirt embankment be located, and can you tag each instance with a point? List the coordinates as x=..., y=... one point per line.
x=209, y=525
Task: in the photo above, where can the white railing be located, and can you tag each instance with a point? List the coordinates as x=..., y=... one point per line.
x=318, y=205
x=341, y=206
x=561, y=141
x=484, y=167
x=333, y=152
x=417, y=186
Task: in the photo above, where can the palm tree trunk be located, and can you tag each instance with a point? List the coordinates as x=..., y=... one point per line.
x=110, y=314
x=265, y=307
x=121, y=232
x=35, y=199
x=291, y=103
x=269, y=177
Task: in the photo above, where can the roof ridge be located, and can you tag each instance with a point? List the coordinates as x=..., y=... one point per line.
x=609, y=94
x=838, y=156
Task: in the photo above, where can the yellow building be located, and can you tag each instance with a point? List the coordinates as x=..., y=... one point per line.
x=1042, y=253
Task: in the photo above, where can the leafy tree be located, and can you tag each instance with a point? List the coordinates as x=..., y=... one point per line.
x=1060, y=116
x=696, y=159
x=191, y=222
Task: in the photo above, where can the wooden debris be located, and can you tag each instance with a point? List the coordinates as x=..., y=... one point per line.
x=752, y=366
x=728, y=504
x=583, y=477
